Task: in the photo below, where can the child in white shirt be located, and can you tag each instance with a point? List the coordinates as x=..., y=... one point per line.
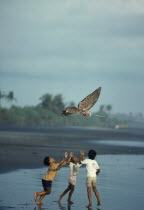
x=92, y=169
x=74, y=168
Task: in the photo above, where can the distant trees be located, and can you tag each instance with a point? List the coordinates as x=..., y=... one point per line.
x=101, y=109
x=54, y=104
x=58, y=104
x=105, y=109
x=9, y=97
x=46, y=101
x=108, y=108
x=48, y=113
x=1, y=97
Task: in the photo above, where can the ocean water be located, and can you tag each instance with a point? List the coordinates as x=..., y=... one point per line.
x=120, y=185
x=123, y=143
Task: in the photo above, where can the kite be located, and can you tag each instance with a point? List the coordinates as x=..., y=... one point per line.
x=85, y=105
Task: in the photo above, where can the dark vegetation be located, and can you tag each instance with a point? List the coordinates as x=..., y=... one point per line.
x=48, y=113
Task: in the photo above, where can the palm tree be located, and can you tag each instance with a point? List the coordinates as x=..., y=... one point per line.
x=46, y=101
x=58, y=105
x=2, y=95
x=109, y=108
x=10, y=97
x=101, y=109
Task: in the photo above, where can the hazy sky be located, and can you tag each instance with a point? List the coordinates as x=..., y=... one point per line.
x=72, y=47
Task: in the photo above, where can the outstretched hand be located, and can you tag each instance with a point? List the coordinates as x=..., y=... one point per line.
x=81, y=152
x=82, y=155
x=71, y=154
x=65, y=155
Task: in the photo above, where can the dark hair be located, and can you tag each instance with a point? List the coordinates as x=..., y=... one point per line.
x=46, y=161
x=92, y=154
x=71, y=160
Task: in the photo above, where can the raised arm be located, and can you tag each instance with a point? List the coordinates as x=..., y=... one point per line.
x=68, y=162
x=65, y=156
x=82, y=155
x=62, y=162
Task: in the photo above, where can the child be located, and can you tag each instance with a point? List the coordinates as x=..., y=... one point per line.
x=74, y=167
x=91, y=167
x=49, y=176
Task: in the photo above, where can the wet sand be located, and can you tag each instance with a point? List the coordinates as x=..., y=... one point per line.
x=26, y=147
x=120, y=156
x=120, y=185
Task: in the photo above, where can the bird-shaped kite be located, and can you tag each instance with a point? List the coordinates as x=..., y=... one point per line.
x=85, y=105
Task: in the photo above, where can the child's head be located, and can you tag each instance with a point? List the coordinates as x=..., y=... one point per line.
x=73, y=159
x=48, y=161
x=92, y=154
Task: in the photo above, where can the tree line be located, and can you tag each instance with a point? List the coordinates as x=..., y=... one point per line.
x=48, y=113
x=8, y=97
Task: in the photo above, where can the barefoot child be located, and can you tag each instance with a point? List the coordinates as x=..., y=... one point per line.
x=93, y=169
x=49, y=176
x=74, y=167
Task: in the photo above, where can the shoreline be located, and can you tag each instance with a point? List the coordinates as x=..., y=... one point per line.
x=115, y=183
x=21, y=148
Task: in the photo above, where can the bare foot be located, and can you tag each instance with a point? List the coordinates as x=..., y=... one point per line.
x=99, y=203
x=90, y=205
x=35, y=196
x=70, y=202
x=59, y=198
x=39, y=203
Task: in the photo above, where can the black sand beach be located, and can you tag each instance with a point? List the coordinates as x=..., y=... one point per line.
x=120, y=184
x=120, y=154
x=26, y=147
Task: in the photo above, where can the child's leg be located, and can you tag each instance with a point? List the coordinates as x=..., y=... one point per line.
x=97, y=195
x=40, y=199
x=39, y=194
x=69, y=187
x=89, y=196
x=47, y=191
x=70, y=194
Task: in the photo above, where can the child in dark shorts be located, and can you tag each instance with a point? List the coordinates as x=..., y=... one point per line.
x=49, y=177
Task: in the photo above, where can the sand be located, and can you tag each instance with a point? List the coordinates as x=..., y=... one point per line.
x=120, y=185
x=26, y=147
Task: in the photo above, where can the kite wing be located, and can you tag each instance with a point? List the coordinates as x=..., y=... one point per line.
x=89, y=101
x=70, y=110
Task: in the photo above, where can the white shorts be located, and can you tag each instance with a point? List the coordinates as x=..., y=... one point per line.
x=91, y=181
x=72, y=180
